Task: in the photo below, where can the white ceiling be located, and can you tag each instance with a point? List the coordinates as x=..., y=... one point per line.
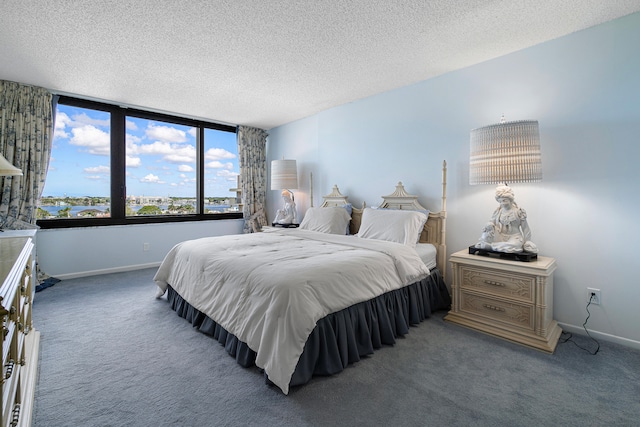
x=270, y=62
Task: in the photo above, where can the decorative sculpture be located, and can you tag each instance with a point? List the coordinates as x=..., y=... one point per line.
x=508, y=230
x=287, y=215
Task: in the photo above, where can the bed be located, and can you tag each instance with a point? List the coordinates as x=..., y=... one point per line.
x=298, y=303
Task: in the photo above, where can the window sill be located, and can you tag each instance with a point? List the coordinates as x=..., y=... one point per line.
x=150, y=219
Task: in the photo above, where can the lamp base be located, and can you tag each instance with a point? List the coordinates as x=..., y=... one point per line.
x=276, y=224
x=513, y=256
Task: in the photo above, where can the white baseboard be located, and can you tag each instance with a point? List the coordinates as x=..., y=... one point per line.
x=107, y=271
x=600, y=335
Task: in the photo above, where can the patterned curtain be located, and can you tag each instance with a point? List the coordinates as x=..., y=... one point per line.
x=26, y=131
x=252, y=150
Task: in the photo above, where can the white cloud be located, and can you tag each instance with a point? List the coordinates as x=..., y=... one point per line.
x=131, y=125
x=218, y=154
x=132, y=140
x=185, y=168
x=86, y=124
x=151, y=178
x=165, y=134
x=169, y=152
x=219, y=165
x=193, y=132
x=154, y=148
x=95, y=140
x=82, y=120
x=98, y=169
x=186, y=154
x=229, y=175
x=95, y=177
x=133, y=162
x=62, y=121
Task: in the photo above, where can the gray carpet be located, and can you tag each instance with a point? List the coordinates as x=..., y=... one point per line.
x=113, y=355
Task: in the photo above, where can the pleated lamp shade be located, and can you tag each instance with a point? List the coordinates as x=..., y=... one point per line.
x=7, y=169
x=506, y=152
x=284, y=174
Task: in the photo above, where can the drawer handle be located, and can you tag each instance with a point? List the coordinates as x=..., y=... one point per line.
x=493, y=283
x=9, y=365
x=15, y=415
x=493, y=307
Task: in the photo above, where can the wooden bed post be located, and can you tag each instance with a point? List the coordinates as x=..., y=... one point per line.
x=444, y=219
x=444, y=185
x=311, y=187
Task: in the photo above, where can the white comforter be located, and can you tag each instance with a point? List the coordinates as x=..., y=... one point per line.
x=269, y=289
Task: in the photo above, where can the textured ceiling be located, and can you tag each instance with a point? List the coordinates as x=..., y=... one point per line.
x=267, y=63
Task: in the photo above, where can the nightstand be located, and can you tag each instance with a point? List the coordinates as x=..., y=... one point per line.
x=509, y=299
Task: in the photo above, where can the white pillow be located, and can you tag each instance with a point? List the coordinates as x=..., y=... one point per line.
x=332, y=220
x=392, y=225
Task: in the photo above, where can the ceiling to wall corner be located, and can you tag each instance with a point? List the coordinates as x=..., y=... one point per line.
x=267, y=63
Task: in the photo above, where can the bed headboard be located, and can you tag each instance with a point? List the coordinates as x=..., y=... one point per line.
x=335, y=198
x=434, y=230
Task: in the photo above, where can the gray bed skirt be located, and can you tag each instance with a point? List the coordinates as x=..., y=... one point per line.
x=340, y=338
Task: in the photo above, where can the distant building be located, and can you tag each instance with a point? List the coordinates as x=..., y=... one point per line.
x=236, y=205
x=96, y=213
x=148, y=200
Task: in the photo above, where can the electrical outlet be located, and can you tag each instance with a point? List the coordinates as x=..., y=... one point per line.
x=145, y=247
x=593, y=295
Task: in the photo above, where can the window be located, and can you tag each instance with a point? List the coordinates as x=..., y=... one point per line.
x=113, y=165
x=161, y=167
x=78, y=180
x=220, y=170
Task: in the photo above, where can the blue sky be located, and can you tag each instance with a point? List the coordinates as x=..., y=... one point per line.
x=160, y=157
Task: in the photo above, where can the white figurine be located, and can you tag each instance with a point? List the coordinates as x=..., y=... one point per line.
x=508, y=230
x=286, y=215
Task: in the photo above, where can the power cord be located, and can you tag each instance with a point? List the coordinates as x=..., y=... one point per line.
x=584, y=325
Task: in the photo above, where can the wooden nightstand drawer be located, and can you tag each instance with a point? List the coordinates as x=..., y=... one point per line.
x=497, y=282
x=512, y=313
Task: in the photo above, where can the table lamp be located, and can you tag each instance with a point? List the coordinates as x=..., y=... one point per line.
x=284, y=177
x=7, y=169
x=505, y=153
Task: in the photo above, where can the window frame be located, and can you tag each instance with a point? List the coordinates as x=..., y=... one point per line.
x=118, y=115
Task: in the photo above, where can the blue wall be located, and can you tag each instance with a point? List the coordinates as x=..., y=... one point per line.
x=584, y=89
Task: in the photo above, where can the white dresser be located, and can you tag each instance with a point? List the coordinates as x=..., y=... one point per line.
x=20, y=340
x=509, y=299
